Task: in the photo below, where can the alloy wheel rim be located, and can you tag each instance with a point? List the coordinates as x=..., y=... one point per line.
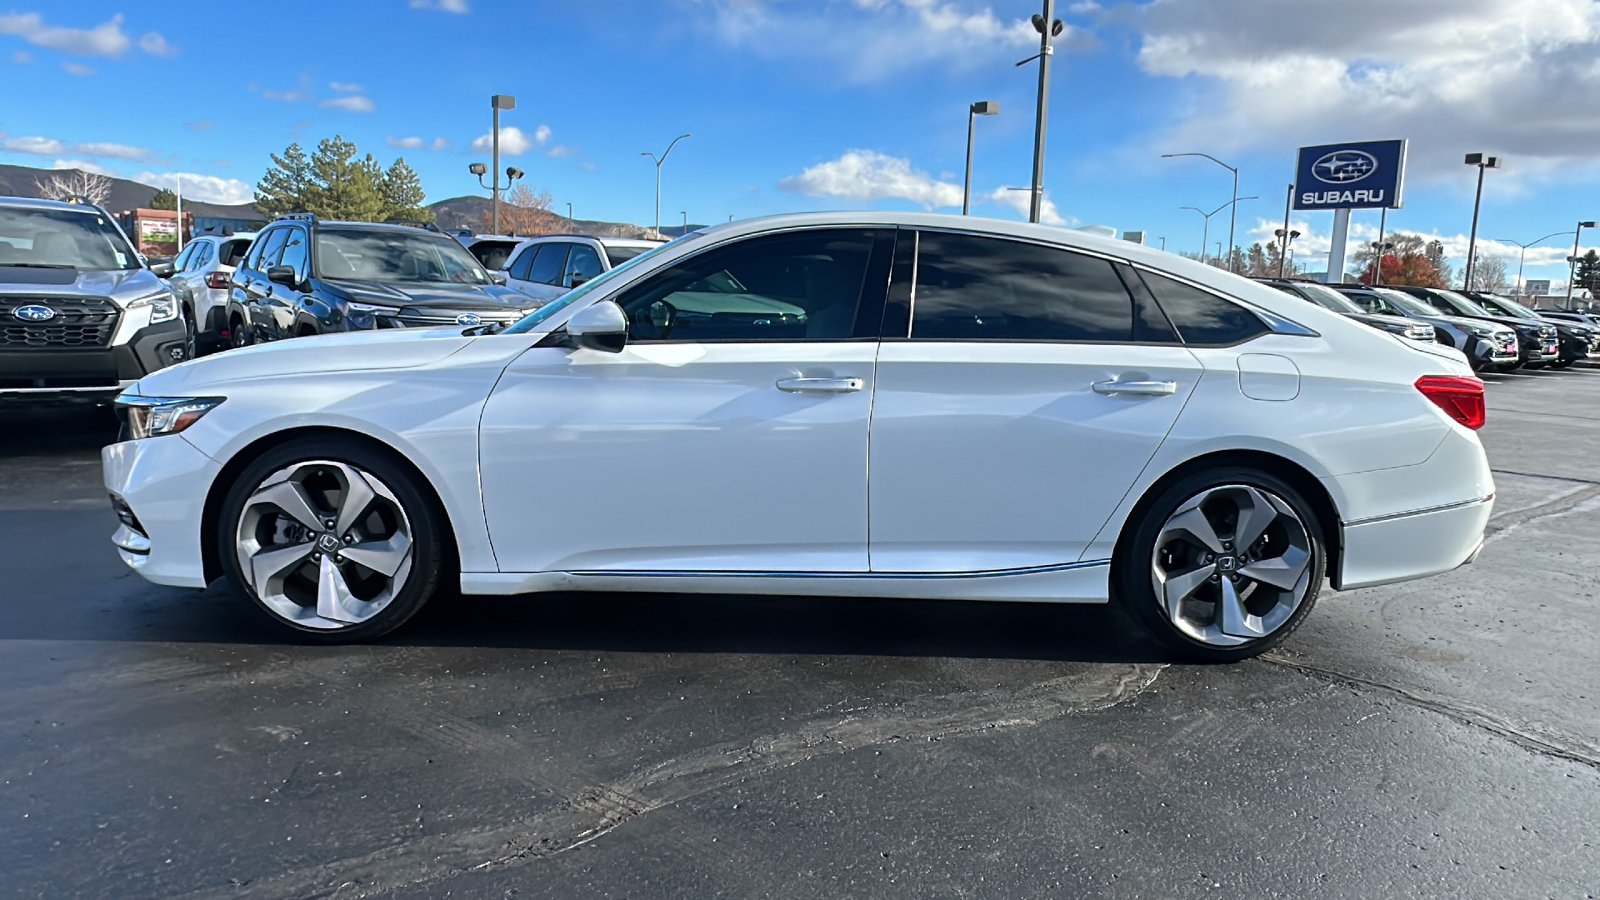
x=1231, y=565
x=324, y=544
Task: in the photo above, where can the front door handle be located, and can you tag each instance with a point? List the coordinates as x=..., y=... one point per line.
x=1140, y=388
x=821, y=385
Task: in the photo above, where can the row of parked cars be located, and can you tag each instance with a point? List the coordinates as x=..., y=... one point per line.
x=1495, y=333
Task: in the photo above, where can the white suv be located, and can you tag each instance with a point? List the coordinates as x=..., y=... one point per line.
x=547, y=267
x=203, y=271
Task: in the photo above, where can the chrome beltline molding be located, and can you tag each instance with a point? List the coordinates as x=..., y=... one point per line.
x=1419, y=512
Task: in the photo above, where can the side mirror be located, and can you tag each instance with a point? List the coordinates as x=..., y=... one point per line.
x=603, y=326
x=284, y=275
x=163, y=269
x=499, y=277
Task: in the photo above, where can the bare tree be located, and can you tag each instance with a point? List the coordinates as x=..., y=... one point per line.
x=1489, y=274
x=74, y=183
x=526, y=213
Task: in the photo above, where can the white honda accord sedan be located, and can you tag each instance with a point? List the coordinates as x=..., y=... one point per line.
x=872, y=404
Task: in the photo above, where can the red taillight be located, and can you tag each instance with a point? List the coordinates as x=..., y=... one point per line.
x=1461, y=397
x=217, y=280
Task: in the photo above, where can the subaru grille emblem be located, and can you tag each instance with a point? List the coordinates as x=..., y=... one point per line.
x=1344, y=166
x=34, y=313
x=469, y=319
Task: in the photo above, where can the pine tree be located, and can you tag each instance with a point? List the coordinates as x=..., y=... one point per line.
x=402, y=194
x=287, y=185
x=1588, y=272
x=164, y=199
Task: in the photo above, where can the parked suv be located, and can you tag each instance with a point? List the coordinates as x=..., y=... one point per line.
x=204, y=270
x=1487, y=345
x=81, y=314
x=547, y=267
x=1328, y=298
x=1537, y=342
x=304, y=276
x=1577, y=340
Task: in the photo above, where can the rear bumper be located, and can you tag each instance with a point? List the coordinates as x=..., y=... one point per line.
x=1412, y=545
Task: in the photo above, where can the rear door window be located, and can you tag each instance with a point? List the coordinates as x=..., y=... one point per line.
x=582, y=265
x=1201, y=317
x=550, y=264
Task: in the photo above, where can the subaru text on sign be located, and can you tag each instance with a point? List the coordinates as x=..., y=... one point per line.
x=1362, y=175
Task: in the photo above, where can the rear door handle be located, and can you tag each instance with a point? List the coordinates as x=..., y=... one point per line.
x=821, y=385
x=1140, y=388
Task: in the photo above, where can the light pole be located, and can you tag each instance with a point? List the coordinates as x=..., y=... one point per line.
x=1232, y=218
x=1572, y=275
x=1381, y=248
x=1523, y=256
x=1285, y=238
x=1482, y=161
x=497, y=103
x=512, y=174
x=658, y=161
x=569, y=210
x=1048, y=27
x=1206, y=234
x=981, y=108
x=685, y=229
x=1163, y=245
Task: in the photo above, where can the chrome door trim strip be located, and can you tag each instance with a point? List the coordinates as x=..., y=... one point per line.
x=1419, y=512
x=985, y=573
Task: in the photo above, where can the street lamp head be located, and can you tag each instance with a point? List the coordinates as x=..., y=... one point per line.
x=1585, y=224
x=503, y=101
x=513, y=173
x=1482, y=160
x=985, y=108
x=478, y=169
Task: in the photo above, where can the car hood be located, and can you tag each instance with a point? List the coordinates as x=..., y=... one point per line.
x=1460, y=321
x=478, y=298
x=1381, y=319
x=353, y=351
x=122, y=285
x=1539, y=325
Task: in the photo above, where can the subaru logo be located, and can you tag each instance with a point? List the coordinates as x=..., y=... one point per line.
x=469, y=319
x=1344, y=166
x=34, y=313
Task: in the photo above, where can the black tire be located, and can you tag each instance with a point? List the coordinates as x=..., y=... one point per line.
x=191, y=337
x=1561, y=364
x=430, y=557
x=238, y=335
x=1131, y=577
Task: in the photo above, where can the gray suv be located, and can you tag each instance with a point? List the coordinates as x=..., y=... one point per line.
x=81, y=314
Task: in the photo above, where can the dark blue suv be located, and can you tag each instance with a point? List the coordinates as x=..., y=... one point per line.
x=304, y=276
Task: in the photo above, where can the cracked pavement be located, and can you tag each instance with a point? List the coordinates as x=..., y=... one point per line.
x=1437, y=739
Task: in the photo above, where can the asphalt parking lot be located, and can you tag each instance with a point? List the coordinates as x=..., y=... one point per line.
x=1438, y=739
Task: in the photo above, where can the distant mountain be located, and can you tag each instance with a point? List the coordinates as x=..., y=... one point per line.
x=474, y=212
x=19, y=181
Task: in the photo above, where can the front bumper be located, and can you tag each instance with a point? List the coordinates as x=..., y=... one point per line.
x=1489, y=352
x=45, y=372
x=1412, y=545
x=1539, y=350
x=162, y=482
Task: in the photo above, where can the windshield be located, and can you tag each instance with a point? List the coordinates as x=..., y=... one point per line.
x=395, y=255
x=62, y=239
x=533, y=320
x=1329, y=298
x=1461, y=305
x=620, y=255
x=1406, y=303
x=1507, y=307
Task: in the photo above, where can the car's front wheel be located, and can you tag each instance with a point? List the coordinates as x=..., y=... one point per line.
x=1223, y=565
x=332, y=539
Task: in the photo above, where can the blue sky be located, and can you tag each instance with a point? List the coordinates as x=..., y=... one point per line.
x=808, y=104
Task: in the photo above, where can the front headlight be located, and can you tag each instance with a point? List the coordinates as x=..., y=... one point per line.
x=156, y=416
x=163, y=307
x=1481, y=330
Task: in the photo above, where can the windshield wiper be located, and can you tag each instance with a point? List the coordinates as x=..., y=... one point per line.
x=17, y=265
x=485, y=328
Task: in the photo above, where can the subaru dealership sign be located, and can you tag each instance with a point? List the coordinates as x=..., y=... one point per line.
x=1365, y=175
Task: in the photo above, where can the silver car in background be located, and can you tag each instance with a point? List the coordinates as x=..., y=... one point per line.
x=204, y=269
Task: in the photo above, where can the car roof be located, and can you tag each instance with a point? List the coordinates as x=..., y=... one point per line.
x=236, y=236
x=36, y=203
x=602, y=241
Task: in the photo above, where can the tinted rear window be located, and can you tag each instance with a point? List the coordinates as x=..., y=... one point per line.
x=1202, y=317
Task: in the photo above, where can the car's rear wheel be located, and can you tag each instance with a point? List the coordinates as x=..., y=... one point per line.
x=236, y=333
x=1223, y=565
x=332, y=539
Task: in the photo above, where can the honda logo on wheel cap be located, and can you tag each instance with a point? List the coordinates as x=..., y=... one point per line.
x=34, y=313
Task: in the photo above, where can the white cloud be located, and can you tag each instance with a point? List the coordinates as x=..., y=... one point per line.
x=1019, y=201
x=78, y=69
x=106, y=39
x=345, y=87
x=869, y=175
x=867, y=40
x=119, y=151
x=352, y=103
x=286, y=96
x=1514, y=78
x=42, y=146
x=82, y=165
x=561, y=150
x=405, y=143
x=206, y=188
x=450, y=6
x=22, y=57
x=513, y=141
x=440, y=143
x=156, y=45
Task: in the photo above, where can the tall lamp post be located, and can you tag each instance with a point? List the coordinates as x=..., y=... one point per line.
x=658, y=161
x=1048, y=27
x=1285, y=238
x=1523, y=256
x=981, y=108
x=685, y=229
x=1205, y=237
x=497, y=103
x=1482, y=161
x=1572, y=276
x=1233, y=218
x=512, y=174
